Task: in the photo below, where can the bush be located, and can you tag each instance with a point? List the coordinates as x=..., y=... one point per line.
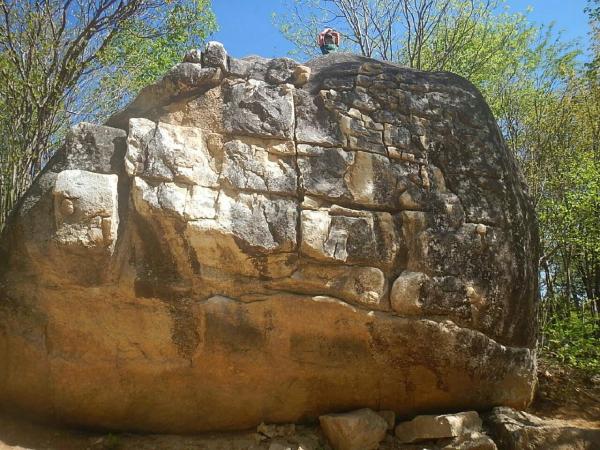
x=573, y=339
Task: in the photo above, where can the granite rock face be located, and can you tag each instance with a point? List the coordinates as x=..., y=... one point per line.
x=254, y=240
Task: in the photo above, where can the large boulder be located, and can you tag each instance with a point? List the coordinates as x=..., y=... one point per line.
x=253, y=241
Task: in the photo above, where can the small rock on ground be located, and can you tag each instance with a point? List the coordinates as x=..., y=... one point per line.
x=424, y=428
x=357, y=430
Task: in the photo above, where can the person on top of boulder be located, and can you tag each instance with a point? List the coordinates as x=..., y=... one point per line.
x=328, y=41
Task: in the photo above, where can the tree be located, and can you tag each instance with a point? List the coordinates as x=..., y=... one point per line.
x=44, y=53
x=371, y=27
x=57, y=55
x=424, y=34
x=569, y=214
x=363, y=27
x=593, y=11
x=144, y=51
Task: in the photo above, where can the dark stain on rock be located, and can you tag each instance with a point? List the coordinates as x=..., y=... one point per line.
x=189, y=250
x=337, y=351
x=233, y=331
x=156, y=268
x=184, y=328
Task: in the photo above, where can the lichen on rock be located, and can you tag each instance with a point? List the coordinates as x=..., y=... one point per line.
x=255, y=240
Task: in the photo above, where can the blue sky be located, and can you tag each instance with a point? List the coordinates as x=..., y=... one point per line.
x=246, y=26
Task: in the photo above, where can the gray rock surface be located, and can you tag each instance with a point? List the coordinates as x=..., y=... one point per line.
x=214, y=55
x=256, y=241
x=432, y=427
x=518, y=430
x=94, y=148
x=389, y=417
x=193, y=56
x=255, y=108
x=471, y=441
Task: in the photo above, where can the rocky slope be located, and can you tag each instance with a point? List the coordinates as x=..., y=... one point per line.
x=254, y=240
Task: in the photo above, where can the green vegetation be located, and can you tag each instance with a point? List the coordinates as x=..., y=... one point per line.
x=145, y=49
x=547, y=104
x=112, y=442
x=572, y=339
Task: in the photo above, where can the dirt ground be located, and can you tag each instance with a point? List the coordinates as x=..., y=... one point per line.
x=566, y=394
x=19, y=434
x=562, y=394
